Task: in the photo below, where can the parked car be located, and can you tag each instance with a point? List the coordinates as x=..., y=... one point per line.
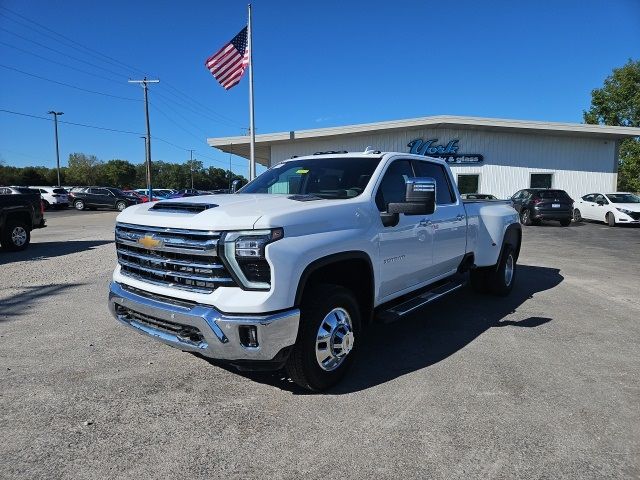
x=139, y=196
x=101, y=197
x=14, y=190
x=157, y=192
x=611, y=208
x=302, y=258
x=189, y=192
x=537, y=204
x=54, y=197
x=20, y=213
x=478, y=196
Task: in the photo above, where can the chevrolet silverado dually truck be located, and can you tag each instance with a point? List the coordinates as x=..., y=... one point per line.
x=288, y=271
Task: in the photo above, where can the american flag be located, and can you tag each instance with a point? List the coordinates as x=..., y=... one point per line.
x=230, y=62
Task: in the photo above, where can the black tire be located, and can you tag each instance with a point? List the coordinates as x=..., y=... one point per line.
x=493, y=279
x=120, y=206
x=79, y=205
x=577, y=216
x=565, y=222
x=611, y=219
x=46, y=205
x=15, y=236
x=525, y=217
x=318, y=302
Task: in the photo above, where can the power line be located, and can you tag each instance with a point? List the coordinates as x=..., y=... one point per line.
x=70, y=123
x=69, y=85
x=105, y=57
x=198, y=104
x=60, y=63
x=66, y=55
x=186, y=106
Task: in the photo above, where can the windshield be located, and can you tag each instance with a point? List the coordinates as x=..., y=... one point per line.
x=330, y=178
x=623, y=198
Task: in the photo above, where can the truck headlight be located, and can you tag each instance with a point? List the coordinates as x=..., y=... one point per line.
x=244, y=253
x=624, y=210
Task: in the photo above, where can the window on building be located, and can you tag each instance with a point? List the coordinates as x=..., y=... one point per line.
x=468, y=183
x=541, y=180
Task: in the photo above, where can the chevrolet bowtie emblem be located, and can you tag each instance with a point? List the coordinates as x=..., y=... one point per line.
x=150, y=242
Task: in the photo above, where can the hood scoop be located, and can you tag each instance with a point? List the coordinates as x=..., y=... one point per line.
x=182, y=207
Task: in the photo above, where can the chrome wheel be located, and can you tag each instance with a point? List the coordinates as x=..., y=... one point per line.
x=508, y=270
x=19, y=236
x=120, y=206
x=334, y=340
x=79, y=205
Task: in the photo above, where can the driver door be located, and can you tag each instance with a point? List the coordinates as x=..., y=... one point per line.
x=406, y=247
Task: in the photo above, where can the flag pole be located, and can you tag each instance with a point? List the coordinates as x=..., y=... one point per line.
x=252, y=130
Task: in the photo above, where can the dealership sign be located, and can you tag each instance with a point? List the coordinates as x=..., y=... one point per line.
x=448, y=153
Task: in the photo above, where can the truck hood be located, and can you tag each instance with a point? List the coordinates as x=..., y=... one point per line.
x=224, y=212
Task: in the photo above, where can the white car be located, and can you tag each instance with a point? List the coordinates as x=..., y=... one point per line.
x=53, y=197
x=611, y=208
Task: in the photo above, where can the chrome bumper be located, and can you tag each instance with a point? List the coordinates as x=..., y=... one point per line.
x=218, y=337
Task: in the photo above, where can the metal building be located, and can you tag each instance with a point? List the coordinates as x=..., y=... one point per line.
x=486, y=155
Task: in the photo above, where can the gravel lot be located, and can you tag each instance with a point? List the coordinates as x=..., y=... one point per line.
x=542, y=384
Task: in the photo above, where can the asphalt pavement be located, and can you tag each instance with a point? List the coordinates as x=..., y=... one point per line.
x=542, y=384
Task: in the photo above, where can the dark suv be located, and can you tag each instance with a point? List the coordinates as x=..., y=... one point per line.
x=537, y=204
x=100, y=197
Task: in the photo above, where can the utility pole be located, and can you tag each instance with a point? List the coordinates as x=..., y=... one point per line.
x=55, y=122
x=191, y=166
x=145, y=87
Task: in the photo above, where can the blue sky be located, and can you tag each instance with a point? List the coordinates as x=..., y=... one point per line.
x=317, y=64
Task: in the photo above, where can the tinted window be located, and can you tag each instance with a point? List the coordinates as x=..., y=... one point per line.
x=623, y=198
x=551, y=194
x=589, y=198
x=330, y=178
x=444, y=192
x=393, y=187
x=99, y=191
x=541, y=180
x=59, y=190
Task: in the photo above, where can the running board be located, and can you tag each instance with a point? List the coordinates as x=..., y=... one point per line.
x=397, y=311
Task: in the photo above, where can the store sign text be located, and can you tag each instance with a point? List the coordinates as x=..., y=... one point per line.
x=448, y=153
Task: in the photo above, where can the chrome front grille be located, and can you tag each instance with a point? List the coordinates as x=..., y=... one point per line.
x=184, y=259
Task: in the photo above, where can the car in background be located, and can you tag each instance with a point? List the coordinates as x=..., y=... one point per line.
x=478, y=196
x=537, y=204
x=189, y=192
x=101, y=197
x=54, y=197
x=611, y=208
x=20, y=213
x=139, y=196
x=160, y=193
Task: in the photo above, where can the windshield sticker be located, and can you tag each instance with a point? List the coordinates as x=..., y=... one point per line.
x=303, y=170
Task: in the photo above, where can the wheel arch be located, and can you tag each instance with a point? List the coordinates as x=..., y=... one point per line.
x=352, y=270
x=512, y=237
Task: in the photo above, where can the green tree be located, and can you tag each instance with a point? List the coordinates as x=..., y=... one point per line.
x=118, y=173
x=618, y=103
x=83, y=169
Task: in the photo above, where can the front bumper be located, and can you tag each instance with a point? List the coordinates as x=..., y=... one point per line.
x=201, y=328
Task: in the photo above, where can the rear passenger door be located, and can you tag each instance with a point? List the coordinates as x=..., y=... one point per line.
x=449, y=221
x=99, y=197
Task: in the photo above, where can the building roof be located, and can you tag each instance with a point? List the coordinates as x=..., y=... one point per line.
x=239, y=145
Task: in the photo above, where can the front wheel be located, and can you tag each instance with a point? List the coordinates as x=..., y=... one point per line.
x=329, y=328
x=15, y=236
x=120, y=206
x=611, y=219
x=577, y=216
x=78, y=205
x=565, y=222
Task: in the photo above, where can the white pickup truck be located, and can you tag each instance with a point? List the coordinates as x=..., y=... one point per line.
x=290, y=269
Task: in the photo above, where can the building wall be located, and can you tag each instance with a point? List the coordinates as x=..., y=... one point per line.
x=579, y=165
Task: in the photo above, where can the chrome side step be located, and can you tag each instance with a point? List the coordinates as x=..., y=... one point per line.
x=399, y=310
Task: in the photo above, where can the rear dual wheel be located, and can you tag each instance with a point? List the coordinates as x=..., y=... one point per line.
x=497, y=280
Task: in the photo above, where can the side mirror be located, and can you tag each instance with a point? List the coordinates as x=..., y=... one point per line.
x=600, y=202
x=420, y=197
x=234, y=185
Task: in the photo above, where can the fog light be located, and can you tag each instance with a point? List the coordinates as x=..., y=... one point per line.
x=248, y=336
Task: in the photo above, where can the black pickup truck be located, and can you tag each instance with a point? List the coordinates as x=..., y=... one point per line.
x=19, y=214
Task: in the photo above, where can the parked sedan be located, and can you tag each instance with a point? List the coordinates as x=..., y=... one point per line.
x=611, y=208
x=537, y=204
x=139, y=196
x=101, y=197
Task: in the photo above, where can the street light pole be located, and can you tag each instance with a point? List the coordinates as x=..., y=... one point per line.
x=191, y=167
x=55, y=123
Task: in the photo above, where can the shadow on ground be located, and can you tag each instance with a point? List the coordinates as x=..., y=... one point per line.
x=434, y=333
x=42, y=250
x=22, y=302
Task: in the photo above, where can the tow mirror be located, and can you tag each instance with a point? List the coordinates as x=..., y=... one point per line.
x=420, y=197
